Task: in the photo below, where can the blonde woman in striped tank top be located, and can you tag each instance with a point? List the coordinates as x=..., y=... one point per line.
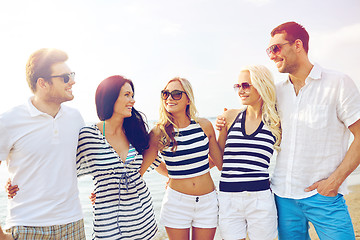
x=185, y=142
x=248, y=140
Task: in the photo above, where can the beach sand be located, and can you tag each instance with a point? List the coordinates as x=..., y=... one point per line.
x=353, y=202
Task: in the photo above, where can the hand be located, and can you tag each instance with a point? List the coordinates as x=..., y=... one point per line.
x=5, y=236
x=324, y=187
x=220, y=122
x=11, y=190
x=167, y=183
x=92, y=198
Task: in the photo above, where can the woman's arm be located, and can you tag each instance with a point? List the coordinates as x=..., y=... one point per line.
x=214, y=150
x=5, y=236
x=151, y=153
x=11, y=189
x=162, y=169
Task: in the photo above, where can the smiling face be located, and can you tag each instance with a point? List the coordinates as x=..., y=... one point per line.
x=249, y=96
x=176, y=106
x=125, y=102
x=59, y=91
x=286, y=58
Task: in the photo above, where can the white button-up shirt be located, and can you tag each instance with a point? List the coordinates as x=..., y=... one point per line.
x=315, y=133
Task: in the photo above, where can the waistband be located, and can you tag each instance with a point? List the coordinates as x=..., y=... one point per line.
x=247, y=193
x=196, y=198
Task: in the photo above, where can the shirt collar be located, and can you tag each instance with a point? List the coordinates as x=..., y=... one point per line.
x=34, y=112
x=314, y=74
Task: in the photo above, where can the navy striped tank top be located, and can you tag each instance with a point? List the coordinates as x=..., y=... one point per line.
x=246, y=158
x=191, y=156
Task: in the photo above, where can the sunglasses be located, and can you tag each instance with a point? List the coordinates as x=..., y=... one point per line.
x=176, y=94
x=275, y=49
x=245, y=86
x=66, y=77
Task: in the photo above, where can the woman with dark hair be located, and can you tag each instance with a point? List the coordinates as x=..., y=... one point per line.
x=111, y=152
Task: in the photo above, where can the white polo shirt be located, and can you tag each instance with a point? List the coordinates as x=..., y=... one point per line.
x=40, y=152
x=315, y=133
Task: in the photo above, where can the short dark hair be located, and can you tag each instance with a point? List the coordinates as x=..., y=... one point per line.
x=40, y=62
x=293, y=31
x=136, y=129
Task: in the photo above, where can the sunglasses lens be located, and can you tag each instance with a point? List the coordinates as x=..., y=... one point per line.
x=164, y=94
x=245, y=85
x=276, y=49
x=66, y=78
x=176, y=95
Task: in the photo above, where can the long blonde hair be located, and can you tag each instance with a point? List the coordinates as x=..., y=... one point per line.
x=166, y=122
x=262, y=80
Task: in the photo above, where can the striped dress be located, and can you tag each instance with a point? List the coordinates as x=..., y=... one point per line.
x=246, y=158
x=123, y=207
x=191, y=156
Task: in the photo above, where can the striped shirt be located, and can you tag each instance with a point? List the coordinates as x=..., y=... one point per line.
x=123, y=207
x=191, y=156
x=246, y=158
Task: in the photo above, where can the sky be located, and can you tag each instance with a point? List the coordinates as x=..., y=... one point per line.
x=150, y=42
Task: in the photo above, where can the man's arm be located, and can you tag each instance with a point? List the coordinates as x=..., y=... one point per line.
x=329, y=187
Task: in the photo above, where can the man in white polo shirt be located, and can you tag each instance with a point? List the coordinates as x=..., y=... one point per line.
x=318, y=110
x=39, y=140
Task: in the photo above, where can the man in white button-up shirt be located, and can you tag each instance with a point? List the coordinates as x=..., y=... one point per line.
x=318, y=110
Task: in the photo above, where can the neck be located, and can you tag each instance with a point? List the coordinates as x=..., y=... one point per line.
x=254, y=111
x=44, y=106
x=302, y=72
x=114, y=125
x=181, y=120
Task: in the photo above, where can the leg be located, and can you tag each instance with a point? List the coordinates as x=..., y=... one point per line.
x=232, y=224
x=261, y=215
x=71, y=231
x=203, y=233
x=292, y=223
x=330, y=217
x=178, y=234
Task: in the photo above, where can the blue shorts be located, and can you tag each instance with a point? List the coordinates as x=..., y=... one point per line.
x=329, y=215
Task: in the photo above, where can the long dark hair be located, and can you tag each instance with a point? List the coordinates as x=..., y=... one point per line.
x=136, y=128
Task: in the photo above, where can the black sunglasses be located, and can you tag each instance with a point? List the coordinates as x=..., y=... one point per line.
x=244, y=85
x=275, y=49
x=176, y=94
x=66, y=77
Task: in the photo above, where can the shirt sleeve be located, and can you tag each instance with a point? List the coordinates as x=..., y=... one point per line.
x=348, y=105
x=5, y=143
x=84, y=163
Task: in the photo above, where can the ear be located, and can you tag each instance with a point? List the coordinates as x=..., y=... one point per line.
x=41, y=83
x=298, y=45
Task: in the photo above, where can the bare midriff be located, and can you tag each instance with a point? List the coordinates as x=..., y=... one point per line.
x=193, y=186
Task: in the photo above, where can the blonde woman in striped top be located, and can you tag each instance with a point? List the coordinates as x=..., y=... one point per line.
x=248, y=140
x=185, y=143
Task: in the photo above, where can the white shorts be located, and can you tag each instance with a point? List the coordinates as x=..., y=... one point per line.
x=247, y=212
x=182, y=211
